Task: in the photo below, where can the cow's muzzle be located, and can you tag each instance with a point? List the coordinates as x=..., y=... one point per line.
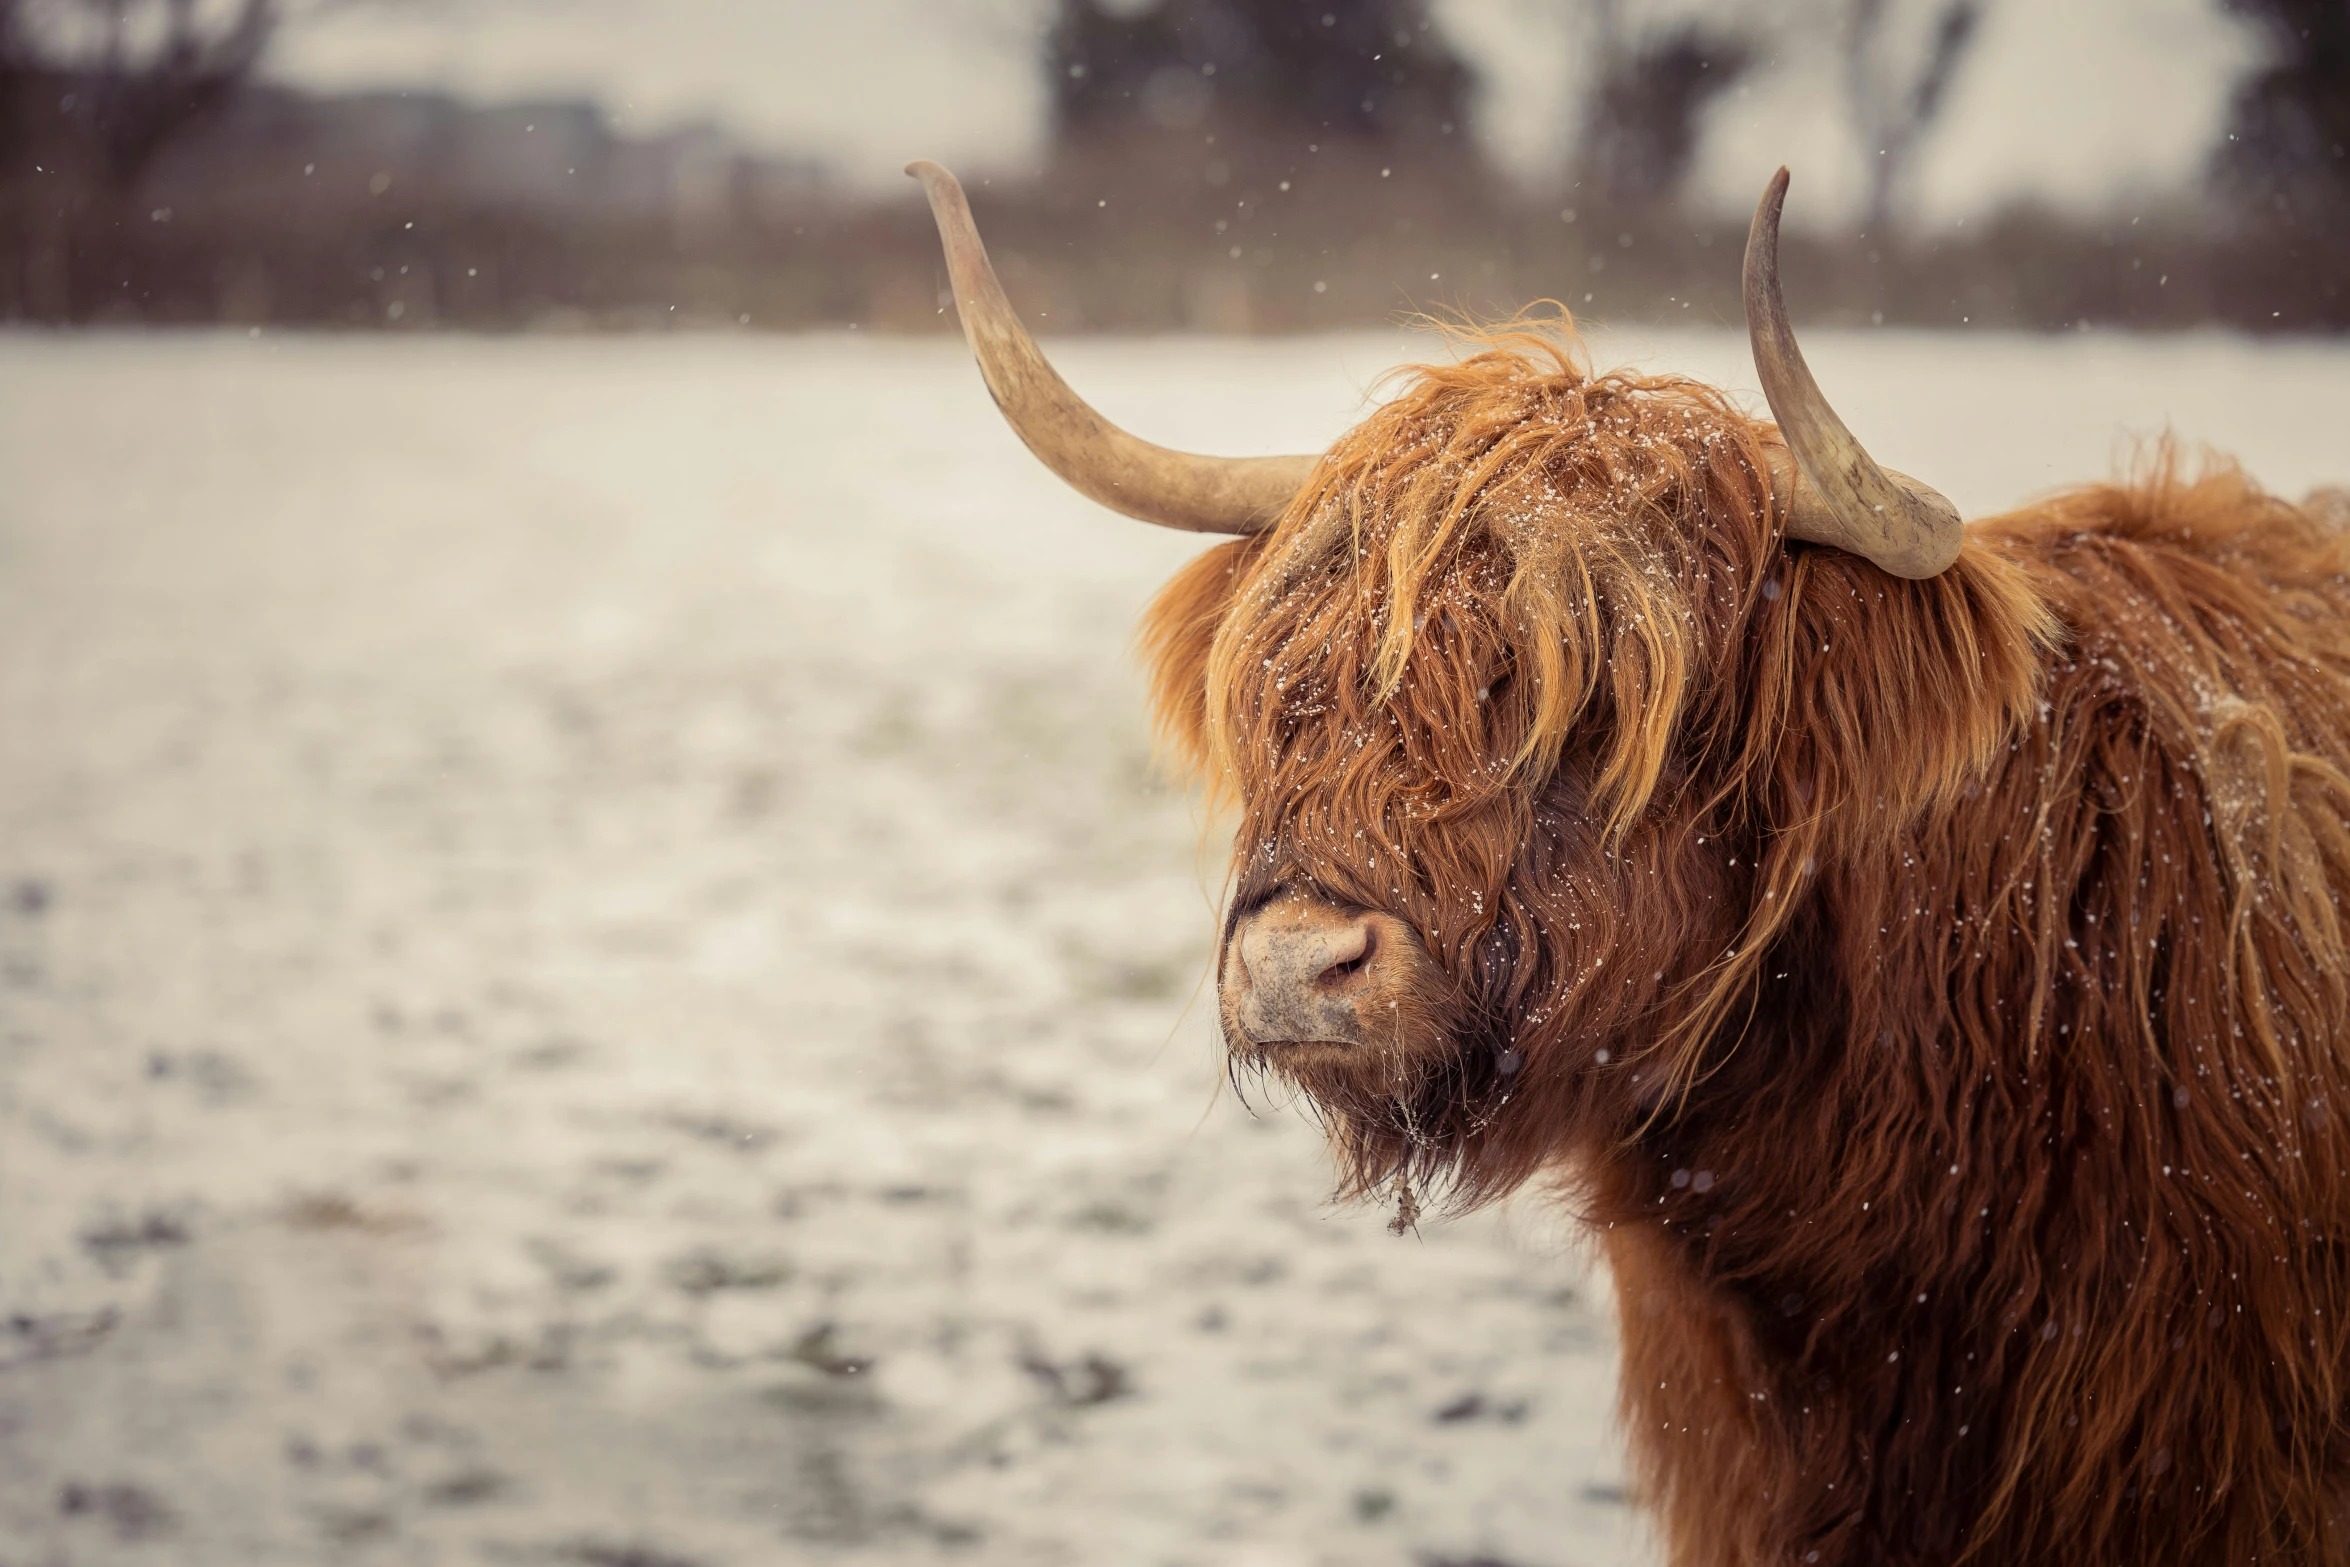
x=1300, y=970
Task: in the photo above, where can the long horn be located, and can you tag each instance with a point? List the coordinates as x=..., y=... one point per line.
x=1845, y=499
x=1172, y=489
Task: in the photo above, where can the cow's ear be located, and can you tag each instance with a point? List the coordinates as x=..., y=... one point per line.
x=1877, y=698
x=1178, y=632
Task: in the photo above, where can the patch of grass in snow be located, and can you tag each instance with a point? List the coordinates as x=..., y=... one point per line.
x=819, y=1348
x=1078, y=1384
x=742, y=1136
x=704, y=1271
x=133, y=1512
x=598, y=1553
x=1112, y=1218
x=118, y=1243
x=328, y=1211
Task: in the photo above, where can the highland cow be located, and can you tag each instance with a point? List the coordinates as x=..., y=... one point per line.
x=1918, y=952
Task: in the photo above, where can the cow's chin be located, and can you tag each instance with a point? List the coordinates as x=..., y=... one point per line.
x=1401, y=1111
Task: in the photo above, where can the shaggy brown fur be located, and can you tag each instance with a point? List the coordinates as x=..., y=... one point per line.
x=1934, y=991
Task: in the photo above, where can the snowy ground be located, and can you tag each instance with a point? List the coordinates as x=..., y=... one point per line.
x=593, y=970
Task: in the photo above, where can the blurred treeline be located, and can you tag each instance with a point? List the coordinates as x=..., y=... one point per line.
x=1233, y=165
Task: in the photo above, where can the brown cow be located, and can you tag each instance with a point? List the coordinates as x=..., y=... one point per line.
x=1921, y=956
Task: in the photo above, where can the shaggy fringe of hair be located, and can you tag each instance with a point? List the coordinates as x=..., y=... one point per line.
x=1990, y=925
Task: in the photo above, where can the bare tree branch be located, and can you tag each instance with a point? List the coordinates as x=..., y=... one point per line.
x=1646, y=103
x=1892, y=108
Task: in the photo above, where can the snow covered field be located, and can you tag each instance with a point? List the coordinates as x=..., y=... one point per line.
x=593, y=970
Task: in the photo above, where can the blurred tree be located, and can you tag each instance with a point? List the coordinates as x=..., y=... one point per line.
x=1648, y=95
x=2289, y=142
x=1895, y=102
x=91, y=93
x=1369, y=71
x=19, y=66
x=132, y=74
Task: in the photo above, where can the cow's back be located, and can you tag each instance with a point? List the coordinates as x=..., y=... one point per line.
x=2165, y=969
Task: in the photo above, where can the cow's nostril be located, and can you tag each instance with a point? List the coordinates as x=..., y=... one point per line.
x=1344, y=968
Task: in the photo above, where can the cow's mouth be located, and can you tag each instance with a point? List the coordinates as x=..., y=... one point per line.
x=1299, y=1059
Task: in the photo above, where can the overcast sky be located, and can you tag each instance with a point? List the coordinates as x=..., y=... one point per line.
x=2097, y=103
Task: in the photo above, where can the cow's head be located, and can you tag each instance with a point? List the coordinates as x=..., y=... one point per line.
x=1530, y=715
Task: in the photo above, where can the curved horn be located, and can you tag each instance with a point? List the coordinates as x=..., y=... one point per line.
x=1845, y=499
x=1172, y=489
